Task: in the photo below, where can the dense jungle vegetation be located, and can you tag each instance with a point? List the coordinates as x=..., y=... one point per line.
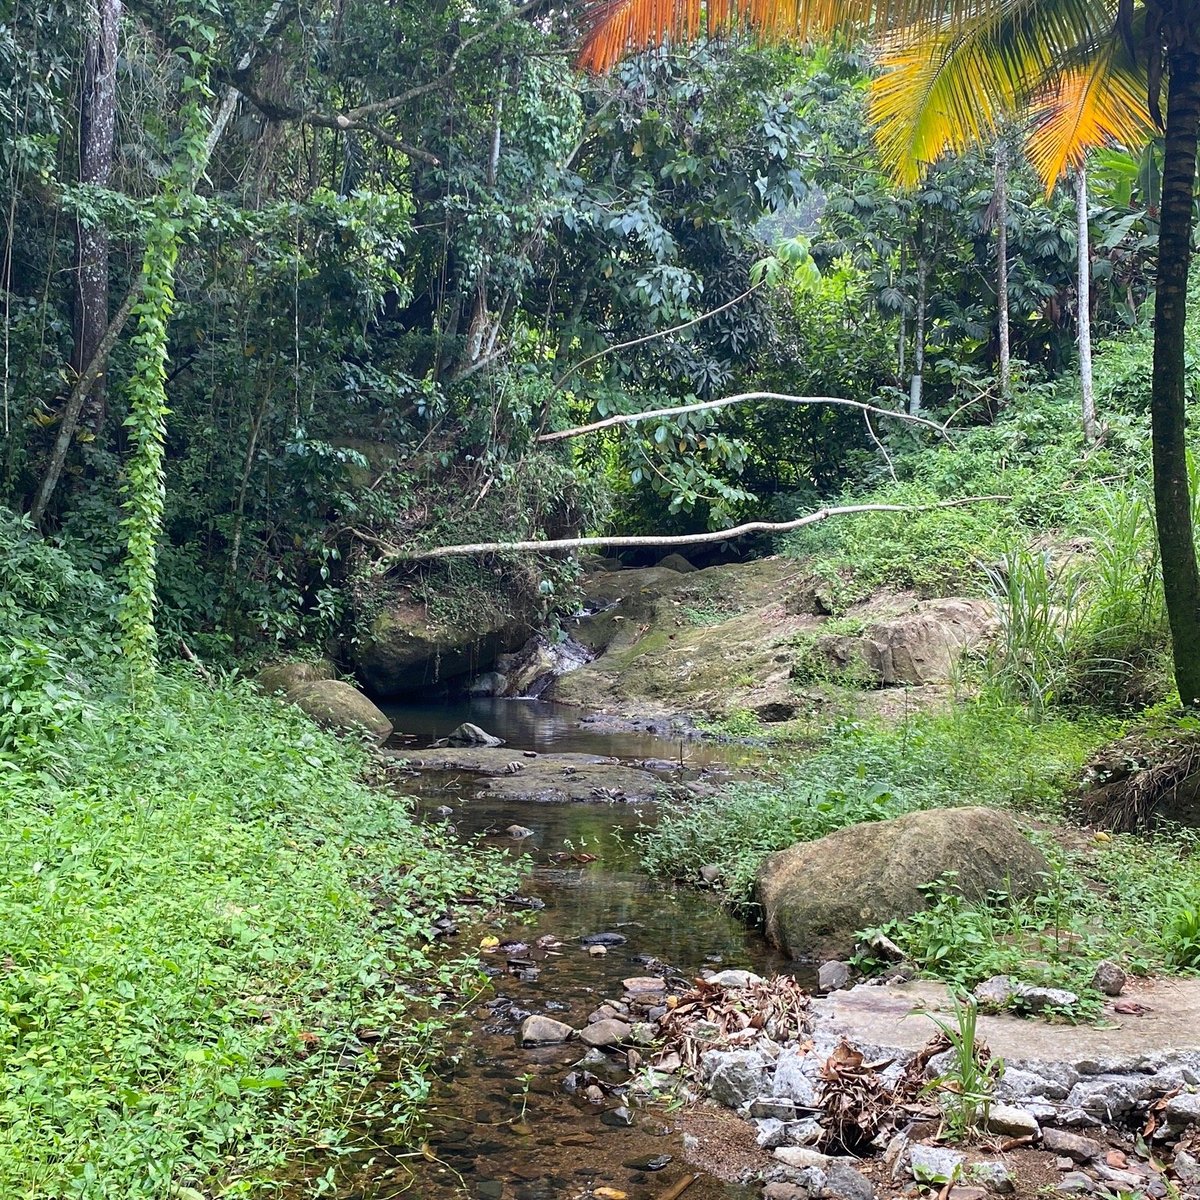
x=293, y=294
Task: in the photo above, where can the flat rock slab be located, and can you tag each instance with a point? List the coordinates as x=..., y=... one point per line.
x=547, y=782
x=484, y=760
x=884, y=1016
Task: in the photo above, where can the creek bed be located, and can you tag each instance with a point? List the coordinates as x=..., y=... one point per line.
x=501, y=1124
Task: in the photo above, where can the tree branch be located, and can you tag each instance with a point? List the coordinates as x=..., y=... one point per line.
x=649, y=337
x=395, y=554
x=659, y=414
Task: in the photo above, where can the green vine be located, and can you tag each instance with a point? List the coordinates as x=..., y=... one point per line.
x=174, y=212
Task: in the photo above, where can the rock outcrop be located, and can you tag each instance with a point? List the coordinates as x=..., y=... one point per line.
x=340, y=706
x=407, y=649
x=917, y=647
x=817, y=895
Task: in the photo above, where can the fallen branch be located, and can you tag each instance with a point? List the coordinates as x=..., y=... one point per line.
x=659, y=414
x=397, y=554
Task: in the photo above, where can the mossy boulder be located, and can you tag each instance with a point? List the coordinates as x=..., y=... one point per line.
x=284, y=676
x=816, y=896
x=408, y=649
x=340, y=706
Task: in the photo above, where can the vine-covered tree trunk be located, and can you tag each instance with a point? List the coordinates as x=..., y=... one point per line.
x=1001, y=196
x=97, y=121
x=1172, y=498
x=1084, y=316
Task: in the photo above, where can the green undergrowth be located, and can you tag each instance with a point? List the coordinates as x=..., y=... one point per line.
x=1132, y=899
x=981, y=753
x=203, y=908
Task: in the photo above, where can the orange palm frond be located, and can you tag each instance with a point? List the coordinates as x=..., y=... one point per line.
x=1094, y=104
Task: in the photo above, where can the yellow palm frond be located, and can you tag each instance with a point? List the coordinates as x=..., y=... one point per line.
x=950, y=89
x=1094, y=104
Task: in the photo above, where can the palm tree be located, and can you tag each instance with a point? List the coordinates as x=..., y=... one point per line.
x=1092, y=73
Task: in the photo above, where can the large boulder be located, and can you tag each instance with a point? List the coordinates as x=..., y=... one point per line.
x=817, y=895
x=408, y=649
x=340, y=706
x=917, y=647
x=284, y=676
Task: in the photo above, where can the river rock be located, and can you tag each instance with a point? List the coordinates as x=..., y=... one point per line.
x=796, y=1078
x=710, y=873
x=1073, y=1145
x=519, y=832
x=676, y=562
x=608, y=1032
x=282, y=677
x=1038, y=999
x=603, y=939
x=833, y=975
x=1110, y=978
x=734, y=1077
x=340, y=706
x=847, y=1183
x=995, y=1176
x=997, y=992
x=734, y=979
x=537, y=1030
x=817, y=895
x=1010, y=1121
x=644, y=983
x=468, y=734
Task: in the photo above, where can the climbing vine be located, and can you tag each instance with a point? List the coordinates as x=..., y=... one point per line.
x=173, y=212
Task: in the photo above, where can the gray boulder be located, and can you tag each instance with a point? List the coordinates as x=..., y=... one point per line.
x=340, y=706
x=816, y=896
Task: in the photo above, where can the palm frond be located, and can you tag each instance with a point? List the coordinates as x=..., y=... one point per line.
x=1094, y=104
x=949, y=89
x=615, y=28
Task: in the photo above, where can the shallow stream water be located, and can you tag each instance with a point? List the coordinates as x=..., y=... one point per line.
x=502, y=1125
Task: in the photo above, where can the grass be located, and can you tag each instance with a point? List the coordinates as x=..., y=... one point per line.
x=203, y=907
x=979, y=754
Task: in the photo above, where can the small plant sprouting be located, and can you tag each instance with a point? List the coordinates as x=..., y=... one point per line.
x=966, y=1089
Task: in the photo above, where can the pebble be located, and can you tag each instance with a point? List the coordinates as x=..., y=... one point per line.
x=597, y=951
x=594, y=1094
x=995, y=1176
x=710, y=873
x=802, y=1156
x=649, y=1164
x=645, y=983
x=519, y=832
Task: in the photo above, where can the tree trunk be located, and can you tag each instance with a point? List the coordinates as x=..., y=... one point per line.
x=97, y=120
x=1084, y=314
x=918, y=380
x=1002, y=267
x=1172, y=498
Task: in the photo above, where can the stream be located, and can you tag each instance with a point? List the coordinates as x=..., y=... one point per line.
x=502, y=1126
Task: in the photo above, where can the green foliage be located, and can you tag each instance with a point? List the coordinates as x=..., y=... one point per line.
x=866, y=772
x=202, y=906
x=966, y=1088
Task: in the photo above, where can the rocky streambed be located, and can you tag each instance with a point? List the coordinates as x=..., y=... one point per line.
x=637, y=1041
